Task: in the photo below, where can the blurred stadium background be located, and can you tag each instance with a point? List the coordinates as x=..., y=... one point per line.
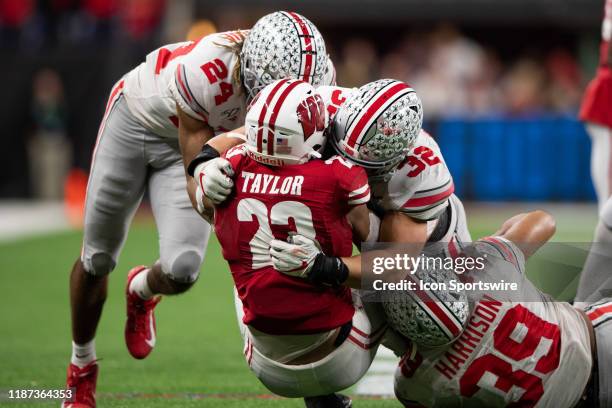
x=501, y=82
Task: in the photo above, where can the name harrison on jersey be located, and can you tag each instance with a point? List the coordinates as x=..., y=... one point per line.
x=485, y=313
x=257, y=183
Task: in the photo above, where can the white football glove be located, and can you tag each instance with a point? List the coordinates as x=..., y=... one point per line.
x=296, y=257
x=213, y=180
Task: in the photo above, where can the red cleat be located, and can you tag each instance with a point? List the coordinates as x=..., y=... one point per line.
x=82, y=383
x=140, y=324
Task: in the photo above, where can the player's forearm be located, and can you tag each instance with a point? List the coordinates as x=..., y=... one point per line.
x=530, y=231
x=226, y=141
x=397, y=228
x=193, y=134
x=401, y=229
x=353, y=264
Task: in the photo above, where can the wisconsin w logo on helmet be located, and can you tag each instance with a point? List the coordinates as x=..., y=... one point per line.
x=311, y=114
x=285, y=123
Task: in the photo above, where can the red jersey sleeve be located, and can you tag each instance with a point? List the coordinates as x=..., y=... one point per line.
x=352, y=181
x=597, y=101
x=235, y=156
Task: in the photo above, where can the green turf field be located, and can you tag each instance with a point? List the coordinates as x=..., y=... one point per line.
x=198, y=358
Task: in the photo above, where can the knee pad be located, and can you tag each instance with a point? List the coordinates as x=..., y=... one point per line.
x=184, y=268
x=605, y=214
x=99, y=264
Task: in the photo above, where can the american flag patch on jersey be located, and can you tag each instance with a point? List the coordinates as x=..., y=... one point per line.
x=600, y=312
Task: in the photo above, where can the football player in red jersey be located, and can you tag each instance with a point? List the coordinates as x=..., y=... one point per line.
x=157, y=118
x=596, y=111
x=378, y=126
x=306, y=337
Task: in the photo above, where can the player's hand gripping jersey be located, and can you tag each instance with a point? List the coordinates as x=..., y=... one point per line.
x=269, y=202
x=198, y=76
x=519, y=347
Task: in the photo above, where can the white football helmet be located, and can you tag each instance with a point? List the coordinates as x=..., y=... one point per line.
x=283, y=45
x=285, y=123
x=429, y=318
x=377, y=125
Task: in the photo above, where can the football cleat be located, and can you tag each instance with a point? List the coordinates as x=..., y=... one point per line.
x=140, y=330
x=82, y=383
x=329, y=401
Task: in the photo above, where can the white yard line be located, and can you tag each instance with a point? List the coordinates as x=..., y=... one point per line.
x=23, y=219
x=379, y=378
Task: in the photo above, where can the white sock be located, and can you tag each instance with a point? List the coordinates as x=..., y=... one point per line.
x=83, y=354
x=140, y=286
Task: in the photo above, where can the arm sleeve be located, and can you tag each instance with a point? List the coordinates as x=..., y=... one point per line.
x=353, y=183
x=422, y=184
x=502, y=248
x=184, y=87
x=428, y=204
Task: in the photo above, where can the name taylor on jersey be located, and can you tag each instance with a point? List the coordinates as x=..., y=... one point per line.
x=257, y=183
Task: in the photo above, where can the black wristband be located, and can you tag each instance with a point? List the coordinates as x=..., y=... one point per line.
x=328, y=271
x=208, y=153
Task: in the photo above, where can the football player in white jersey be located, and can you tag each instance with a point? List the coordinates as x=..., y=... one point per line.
x=519, y=347
x=156, y=122
x=412, y=189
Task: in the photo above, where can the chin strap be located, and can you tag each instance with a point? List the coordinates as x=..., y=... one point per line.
x=314, y=155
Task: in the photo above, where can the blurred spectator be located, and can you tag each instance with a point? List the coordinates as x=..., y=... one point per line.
x=455, y=75
x=141, y=17
x=524, y=87
x=50, y=153
x=15, y=13
x=565, y=92
x=358, y=64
